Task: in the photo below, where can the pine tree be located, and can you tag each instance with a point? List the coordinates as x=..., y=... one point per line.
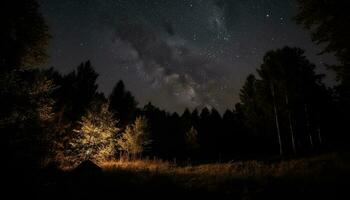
x=287, y=83
x=122, y=104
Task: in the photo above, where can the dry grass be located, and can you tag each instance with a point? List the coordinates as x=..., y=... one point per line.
x=291, y=168
x=238, y=178
x=318, y=177
x=154, y=165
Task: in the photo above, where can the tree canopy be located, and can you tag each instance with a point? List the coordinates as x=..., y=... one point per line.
x=24, y=36
x=286, y=97
x=329, y=23
x=94, y=140
x=136, y=137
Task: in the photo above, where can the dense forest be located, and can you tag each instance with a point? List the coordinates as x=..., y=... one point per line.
x=284, y=110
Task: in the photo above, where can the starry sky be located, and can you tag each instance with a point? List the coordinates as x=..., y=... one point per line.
x=174, y=53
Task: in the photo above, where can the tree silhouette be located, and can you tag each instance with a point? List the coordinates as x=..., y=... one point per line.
x=288, y=94
x=231, y=140
x=26, y=108
x=191, y=139
x=24, y=35
x=26, y=117
x=329, y=23
x=75, y=93
x=122, y=104
x=249, y=96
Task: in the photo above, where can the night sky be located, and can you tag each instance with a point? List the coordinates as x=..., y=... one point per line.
x=174, y=53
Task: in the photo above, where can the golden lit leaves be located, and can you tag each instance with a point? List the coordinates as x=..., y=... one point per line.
x=135, y=138
x=94, y=140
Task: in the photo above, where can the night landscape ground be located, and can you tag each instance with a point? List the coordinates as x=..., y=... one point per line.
x=316, y=177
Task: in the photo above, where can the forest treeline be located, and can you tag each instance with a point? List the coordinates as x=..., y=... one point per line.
x=285, y=109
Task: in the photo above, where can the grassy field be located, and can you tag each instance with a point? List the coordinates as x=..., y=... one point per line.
x=320, y=177
x=315, y=177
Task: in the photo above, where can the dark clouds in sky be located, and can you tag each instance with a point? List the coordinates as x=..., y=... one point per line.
x=175, y=53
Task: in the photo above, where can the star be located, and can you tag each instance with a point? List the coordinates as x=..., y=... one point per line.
x=282, y=20
x=208, y=35
x=194, y=37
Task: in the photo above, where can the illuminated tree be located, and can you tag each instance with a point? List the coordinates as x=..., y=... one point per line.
x=94, y=140
x=73, y=95
x=135, y=138
x=44, y=115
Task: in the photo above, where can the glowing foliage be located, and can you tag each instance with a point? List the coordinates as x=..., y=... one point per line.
x=94, y=139
x=135, y=138
x=40, y=93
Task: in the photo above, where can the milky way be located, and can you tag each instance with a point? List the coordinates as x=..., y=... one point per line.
x=174, y=53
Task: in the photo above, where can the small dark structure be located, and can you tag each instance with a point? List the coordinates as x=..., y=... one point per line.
x=87, y=168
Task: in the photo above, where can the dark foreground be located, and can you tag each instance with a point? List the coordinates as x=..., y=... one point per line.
x=324, y=177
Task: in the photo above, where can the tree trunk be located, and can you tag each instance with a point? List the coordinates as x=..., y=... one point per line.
x=276, y=118
x=319, y=135
x=60, y=117
x=319, y=129
x=291, y=125
x=308, y=126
